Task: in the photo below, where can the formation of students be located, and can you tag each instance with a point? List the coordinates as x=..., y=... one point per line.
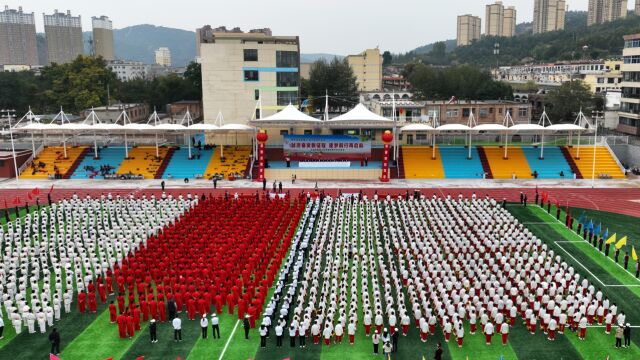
x=459, y=261
x=71, y=247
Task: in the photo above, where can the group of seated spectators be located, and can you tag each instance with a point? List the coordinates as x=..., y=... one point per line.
x=104, y=170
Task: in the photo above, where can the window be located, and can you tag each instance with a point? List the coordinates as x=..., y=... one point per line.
x=466, y=112
x=600, y=80
x=452, y=113
x=287, y=97
x=610, y=80
x=421, y=136
x=308, y=132
x=484, y=113
x=635, y=59
x=287, y=59
x=287, y=79
x=251, y=75
x=250, y=54
x=523, y=112
x=632, y=43
x=284, y=132
x=617, y=66
x=257, y=113
x=629, y=122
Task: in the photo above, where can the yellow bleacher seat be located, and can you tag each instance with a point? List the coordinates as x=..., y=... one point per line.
x=142, y=161
x=606, y=165
x=502, y=168
x=418, y=163
x=236, y=160
x=51, y=161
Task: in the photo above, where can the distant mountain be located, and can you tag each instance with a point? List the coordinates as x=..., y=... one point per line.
x=139, y=43
x=310, y=58
x=451, y=44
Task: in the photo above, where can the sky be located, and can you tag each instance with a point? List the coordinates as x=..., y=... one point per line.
x=340, y=27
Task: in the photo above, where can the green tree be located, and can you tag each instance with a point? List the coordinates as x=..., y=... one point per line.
x=386, y=58
x=193, y=75
x=335, y=78
x=564, y=102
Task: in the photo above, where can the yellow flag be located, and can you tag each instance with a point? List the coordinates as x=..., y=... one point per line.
x=612, y=239
x=621, y=243
x=634, y=256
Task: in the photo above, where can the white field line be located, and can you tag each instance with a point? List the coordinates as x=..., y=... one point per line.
x=584, y=267
x=608, y=258
x=229, y=340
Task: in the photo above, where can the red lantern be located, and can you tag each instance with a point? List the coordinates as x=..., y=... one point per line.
x=387, y=137
x=262, y=137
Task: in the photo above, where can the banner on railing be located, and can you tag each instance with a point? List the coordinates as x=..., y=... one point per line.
x=326, y=146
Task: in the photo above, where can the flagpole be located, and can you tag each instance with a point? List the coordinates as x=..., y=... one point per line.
x=13, y=148
x=593, y=165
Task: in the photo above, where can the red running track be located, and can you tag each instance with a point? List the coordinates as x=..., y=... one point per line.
x=618, y=200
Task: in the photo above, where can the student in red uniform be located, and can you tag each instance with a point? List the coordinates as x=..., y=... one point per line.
x=120, y=300
x=162, y=310
x=93, y=306
x=144, y=309
x=112, y=312
x=136, y=319
x=122, y=326
x=102, y=290
x=82, y=301
x=153, y=308
x=130, y=325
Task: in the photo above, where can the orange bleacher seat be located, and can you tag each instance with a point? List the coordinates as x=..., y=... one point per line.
x=606, y=165
x=502, y=168
x=236, y=160
x=418, y=163
x=52, y=157
x=142, y=161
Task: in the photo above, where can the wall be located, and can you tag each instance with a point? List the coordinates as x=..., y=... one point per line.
x=629, y=155
x=6, y=163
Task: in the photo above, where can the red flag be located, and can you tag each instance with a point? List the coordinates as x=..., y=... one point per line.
x=53, y=357
x=51, y=189
x=35, y=191
x=109, y=358
x=140, y=358
x=16, y=200
x=29, y=196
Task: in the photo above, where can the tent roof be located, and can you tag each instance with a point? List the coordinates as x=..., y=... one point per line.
x=203, y=127
x=107, y=127
x=170, y=127
x=453, y=127
x=74, y=127
x=417, y=127
x=526, y=127
x=138, y=127
x=235, y=127
x=35, y=127
x=359, y=114
x=565, y=127
x=490, y=127
x=288, y=114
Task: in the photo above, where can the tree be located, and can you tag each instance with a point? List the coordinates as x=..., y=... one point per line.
x=464, y=82
x=386, y=58
x=335, y=78
x=564, y=102
x=193, y=75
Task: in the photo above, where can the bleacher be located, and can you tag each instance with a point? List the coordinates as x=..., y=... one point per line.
x=418, y=163
x=51, y=161
x=553, y=164
x=142, y=161
x=236, y=161
x=516, y=163
x=181, y=167
x=606, y=165
x=457, y=166
x=89, y=168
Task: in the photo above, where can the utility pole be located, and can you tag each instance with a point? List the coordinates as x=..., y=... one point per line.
x=596, y=115
x=9, y=114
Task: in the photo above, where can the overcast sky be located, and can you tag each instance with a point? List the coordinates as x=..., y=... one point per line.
x=329, y=26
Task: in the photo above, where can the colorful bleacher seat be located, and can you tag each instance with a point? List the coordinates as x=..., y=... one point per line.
x=606, y=165
x=51, y=161
x=181, y=167
x=418, y=163
x=458, y=166
x=516, y=163
x=553, y=164
x=236, y=161
x=142, y=161
x=89, y=168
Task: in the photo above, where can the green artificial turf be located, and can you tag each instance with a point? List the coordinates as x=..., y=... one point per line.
x=622, y=225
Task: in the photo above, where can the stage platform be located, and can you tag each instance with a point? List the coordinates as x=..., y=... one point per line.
x=352, y=173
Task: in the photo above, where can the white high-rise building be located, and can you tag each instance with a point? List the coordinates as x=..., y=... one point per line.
x=163, y=56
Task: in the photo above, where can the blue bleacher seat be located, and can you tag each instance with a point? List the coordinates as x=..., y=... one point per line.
x=181, y=167
x=553, y=163
x=457, y=166
x=112, y=156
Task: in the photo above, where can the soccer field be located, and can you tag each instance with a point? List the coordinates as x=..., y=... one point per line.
x=91, y=336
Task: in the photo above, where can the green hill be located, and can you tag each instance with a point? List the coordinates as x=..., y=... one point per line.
x=601, y=41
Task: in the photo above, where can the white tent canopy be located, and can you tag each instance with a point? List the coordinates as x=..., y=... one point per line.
x=565, y=127
x=489, y=127
x=288, y=115
x=453, y=127
x=417, y=127
x=203, y=127
x=360, y=114
x=170, y=127
x=526, y=127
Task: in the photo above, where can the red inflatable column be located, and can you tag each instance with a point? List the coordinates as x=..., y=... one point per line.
x=262, y=139
x=387, y=138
